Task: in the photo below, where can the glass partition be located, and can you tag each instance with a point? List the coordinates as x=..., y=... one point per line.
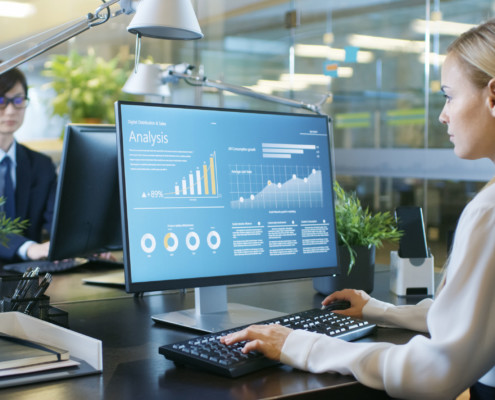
x=380, y=60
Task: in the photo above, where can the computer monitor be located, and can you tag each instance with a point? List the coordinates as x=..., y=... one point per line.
x=212, y=197
x=87, y=219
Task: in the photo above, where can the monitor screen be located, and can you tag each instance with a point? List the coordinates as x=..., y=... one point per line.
x=213, y=197
x=219, y=196
x=87, y=210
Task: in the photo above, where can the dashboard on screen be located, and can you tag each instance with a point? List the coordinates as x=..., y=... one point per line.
x=219, y=196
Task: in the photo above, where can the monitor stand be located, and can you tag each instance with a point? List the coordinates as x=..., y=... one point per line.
x=212, y=313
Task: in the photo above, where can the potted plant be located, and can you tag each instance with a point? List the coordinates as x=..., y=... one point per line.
x=86, y=87
x=359, y=233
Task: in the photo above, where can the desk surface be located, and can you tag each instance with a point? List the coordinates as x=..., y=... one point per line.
x=133, y=368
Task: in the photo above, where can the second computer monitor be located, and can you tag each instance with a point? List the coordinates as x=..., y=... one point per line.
x=87, y=214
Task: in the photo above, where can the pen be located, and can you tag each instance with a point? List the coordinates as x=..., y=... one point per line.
x=21, y=283
x=26, y=283
x=45, y=282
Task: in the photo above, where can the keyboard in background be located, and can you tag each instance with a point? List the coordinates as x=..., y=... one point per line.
x=206, y=352
x=59, y=266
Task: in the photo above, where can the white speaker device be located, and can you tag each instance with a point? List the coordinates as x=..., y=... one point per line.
x=412, y=266
x=411, y=276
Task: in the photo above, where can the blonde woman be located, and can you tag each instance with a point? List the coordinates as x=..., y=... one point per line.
x=459, y=352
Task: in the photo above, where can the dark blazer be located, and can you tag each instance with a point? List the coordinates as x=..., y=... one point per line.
x=36, y=184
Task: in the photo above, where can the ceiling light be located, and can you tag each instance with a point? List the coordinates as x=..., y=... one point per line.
x=307, y=79
x=330, y=53
x=441, y=27
x=282, y=85
x=13, y=9
x=387, y=44
x=345, y=72
x=298, y=81
x=436, y=59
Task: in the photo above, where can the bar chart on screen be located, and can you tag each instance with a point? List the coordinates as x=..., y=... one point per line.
x=189, y=180
x=201, y=181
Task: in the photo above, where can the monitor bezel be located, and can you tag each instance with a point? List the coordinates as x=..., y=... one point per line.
x=134, y=287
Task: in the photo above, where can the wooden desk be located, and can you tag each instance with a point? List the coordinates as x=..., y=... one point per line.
x=133, y=368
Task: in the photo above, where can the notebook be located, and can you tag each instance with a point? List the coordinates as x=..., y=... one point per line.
x=16, y=352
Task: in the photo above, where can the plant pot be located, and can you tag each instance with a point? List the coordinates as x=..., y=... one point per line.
x=362, y=275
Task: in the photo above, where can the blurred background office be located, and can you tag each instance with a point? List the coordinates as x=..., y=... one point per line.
x=380, y=60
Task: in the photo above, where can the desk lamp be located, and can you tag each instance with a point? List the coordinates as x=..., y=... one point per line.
x=154, y=78
x=147, y=81
x=170, y=19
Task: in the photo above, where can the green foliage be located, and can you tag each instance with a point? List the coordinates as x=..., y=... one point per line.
x=357, y=226
x=8, y=226
x=86, y=86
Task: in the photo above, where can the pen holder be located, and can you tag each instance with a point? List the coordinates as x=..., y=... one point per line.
x=18, y=294
x=11, y=296
x=27, y=303
x=411, y=276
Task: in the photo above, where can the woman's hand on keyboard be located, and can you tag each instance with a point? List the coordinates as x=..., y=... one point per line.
x=266, y=339
x=357, y=298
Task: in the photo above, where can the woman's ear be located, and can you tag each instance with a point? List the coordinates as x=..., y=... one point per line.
x=491, y=95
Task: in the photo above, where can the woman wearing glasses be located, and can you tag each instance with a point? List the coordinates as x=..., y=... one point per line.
x=27, y=178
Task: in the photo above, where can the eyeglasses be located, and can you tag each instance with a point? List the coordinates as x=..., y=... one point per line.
x=18, y=102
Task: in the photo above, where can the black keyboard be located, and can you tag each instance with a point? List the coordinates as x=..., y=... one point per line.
x=45, y=265
x=208, y=353
x=61, y=266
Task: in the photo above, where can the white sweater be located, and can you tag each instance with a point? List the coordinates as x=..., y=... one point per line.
x=460, y=322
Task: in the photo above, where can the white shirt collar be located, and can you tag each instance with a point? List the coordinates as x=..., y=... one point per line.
x=11, y=153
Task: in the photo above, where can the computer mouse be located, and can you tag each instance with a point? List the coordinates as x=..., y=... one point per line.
x=337, y=305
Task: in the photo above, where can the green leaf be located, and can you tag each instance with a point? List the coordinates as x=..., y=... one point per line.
x=87, y=86
x=9, y=226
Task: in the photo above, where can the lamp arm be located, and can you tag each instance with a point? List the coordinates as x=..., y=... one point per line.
x=244, y=91
x=64, y=35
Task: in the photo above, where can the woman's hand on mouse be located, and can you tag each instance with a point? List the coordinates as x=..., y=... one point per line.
x=357, y=298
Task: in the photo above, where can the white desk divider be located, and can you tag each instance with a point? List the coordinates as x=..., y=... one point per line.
x=84, y=349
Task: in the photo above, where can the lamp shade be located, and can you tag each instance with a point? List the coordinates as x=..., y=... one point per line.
x=146, y=81
x=165, y=19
